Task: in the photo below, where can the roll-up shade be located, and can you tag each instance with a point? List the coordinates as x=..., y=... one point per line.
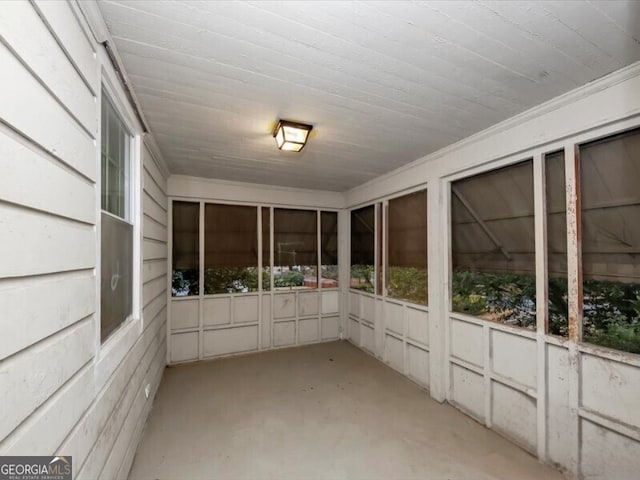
x=407, y=230
x=186, y=227
x=231, y=236
x=295, y=237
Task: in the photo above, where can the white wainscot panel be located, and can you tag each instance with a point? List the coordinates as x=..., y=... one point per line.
x=467, y=342
x=184, y=314
x=514, y=357
x=611, y=389
x=354, y=304
x=514, y=414
x=307, y=304
x=284, y=333
x=184, y=346
x=368, y=309
x=284, y=305
x=559, y=415
x=418, y=325
x=354, y=331
x=607, y=455
x=393, y=317
x=418, y=364
x=393, y=352
x=217, y=311
x=266, y=321
x=308, y=330
x=330, y=303
x=467, y=390
x=368, y=340
x=245, y=308
x=330, y=328
x=230, y=340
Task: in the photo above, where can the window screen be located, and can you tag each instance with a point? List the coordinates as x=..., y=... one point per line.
x=493, y=245
x=610, y=210
x=295, y=248
x=186, y=250
x=407, y=248
x=329, y=249
x=362, y=249
x=231, y=249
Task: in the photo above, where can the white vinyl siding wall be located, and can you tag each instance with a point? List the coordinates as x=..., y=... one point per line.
x=61, y=391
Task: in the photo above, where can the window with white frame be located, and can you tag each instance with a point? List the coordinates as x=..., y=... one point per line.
x=116, y=222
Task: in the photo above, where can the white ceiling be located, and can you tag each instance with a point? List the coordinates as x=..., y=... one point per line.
x=384, y=83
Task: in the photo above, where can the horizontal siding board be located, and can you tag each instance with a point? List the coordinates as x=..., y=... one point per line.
x=154, y=308
x=153, y=230
x=28, y=379
x=152, y=189
x=154, y=170
x=31, y=179
x=23, y=29
x=153, y=210
x=35, y=308
x=154, y=250
x=42, y=119
x=82, y=438
x=71, y=36
x=134, y=421
x=46, y=429
x=154, y=269
x=108, y=434
x=153, y=288
x=35, y=243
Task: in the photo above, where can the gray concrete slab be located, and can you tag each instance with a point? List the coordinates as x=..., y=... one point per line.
x=324, y=411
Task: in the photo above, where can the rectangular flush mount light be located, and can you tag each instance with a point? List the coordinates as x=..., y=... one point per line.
x=291, y=136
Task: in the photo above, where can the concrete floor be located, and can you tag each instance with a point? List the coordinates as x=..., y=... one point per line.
x=324, y=411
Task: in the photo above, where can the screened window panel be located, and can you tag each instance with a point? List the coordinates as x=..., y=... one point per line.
x=231, y=249
x=610, y=210
x=407, y=248
x=362, y=249
x=116, y=273
x=295, y=248
x=329, y=249
x=556, y=200
x=493, y=245
x=186, y=249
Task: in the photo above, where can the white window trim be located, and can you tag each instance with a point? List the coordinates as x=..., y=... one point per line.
x=112, y=351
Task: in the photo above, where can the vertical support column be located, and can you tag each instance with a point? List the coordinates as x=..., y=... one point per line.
x=201, y=283
x=169, y=274
x=319, y=276
x=344, y=266
x=542, y=299
x=574, y=276
x=260, y=309
x=437, y=229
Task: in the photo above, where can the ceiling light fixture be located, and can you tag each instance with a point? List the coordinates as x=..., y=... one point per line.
x=291, y=136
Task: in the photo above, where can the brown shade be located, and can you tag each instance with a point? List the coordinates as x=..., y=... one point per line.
x=186, y=228
x=231, y=236
x=329, y=238
x=492, y=223
x=407, y=231
x=363, y=236
x=610, y=194
x=295, y=237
